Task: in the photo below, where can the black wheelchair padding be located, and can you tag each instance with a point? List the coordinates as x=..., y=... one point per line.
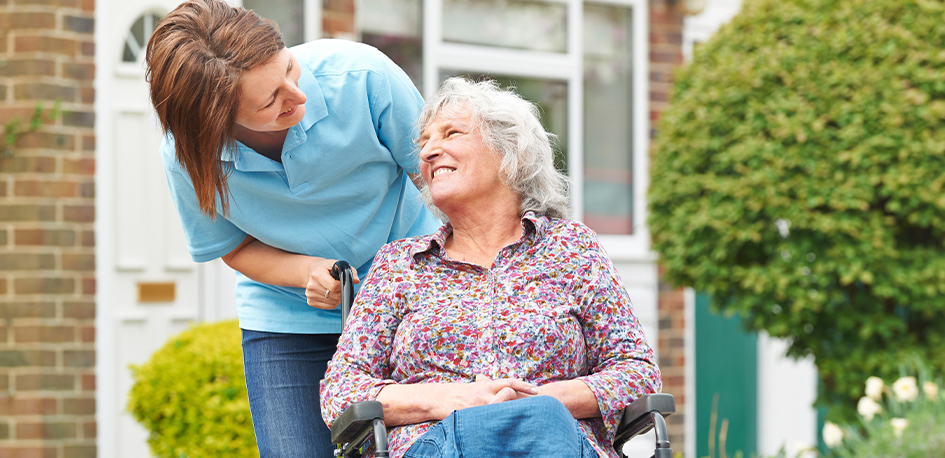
x=358, y=428
x=355, y=419
x=646, y=413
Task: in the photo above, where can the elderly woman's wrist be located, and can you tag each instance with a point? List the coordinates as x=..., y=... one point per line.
x=414, y=403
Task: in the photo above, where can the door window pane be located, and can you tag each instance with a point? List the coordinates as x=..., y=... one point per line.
x=518, y=24
x=395, y=28
x=289, y=14
x=608, y=121
x=552, y=99
x=138, y=36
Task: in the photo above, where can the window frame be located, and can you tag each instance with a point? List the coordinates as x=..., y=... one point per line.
x=439, y=56
x=311, y=18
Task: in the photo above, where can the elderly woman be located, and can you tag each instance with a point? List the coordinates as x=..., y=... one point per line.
x=508, y=329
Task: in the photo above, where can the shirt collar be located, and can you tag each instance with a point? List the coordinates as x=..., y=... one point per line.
x=532, y=225
x=316, y=109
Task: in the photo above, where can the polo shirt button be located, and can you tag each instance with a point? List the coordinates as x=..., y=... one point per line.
x=490, y=358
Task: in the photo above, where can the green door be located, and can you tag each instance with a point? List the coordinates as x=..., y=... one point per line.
x=726, y=376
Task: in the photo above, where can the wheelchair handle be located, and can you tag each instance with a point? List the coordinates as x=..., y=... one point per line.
x=341, y=271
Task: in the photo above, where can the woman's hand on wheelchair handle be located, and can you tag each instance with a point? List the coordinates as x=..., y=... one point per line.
x=320, y=281
x=266, y=264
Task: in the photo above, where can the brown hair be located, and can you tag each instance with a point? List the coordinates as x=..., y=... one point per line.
x=195, y=59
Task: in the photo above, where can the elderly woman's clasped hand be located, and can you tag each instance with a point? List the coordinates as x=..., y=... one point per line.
x=483, y=391
x=501, y=390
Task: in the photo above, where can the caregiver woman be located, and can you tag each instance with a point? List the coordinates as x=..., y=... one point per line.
x=280, y=162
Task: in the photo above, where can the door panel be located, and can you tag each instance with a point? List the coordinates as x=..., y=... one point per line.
x=726, y=384
x=131, y=203
x=148, y=287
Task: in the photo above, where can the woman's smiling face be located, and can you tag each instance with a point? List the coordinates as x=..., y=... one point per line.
x=271, y=100
x=457, y=164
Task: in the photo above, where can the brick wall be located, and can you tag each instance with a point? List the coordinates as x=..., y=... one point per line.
x=666, y=25
x=337, y=19
x=47, y=241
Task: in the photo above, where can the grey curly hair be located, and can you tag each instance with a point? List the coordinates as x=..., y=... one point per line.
x=510, y=126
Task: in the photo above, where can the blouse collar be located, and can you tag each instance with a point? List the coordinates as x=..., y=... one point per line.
x=532, y=225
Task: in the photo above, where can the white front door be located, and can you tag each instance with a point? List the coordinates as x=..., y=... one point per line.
x=148, y=287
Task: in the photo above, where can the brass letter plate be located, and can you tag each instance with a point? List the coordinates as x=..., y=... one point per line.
x=156, y=292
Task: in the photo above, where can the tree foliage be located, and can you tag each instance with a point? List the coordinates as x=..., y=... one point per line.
x=798, y=179
x=191, y=395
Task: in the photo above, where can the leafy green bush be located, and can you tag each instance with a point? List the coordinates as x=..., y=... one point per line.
x=799, y=178
x=191, y=396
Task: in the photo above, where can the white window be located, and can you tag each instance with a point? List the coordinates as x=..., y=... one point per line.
x=299, y=20
x=583, y=63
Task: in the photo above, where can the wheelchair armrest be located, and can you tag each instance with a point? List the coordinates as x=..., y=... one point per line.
x=355, y=421
x=637, y=418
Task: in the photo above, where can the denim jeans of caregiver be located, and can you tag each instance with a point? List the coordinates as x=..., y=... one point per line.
x=283, y=372
x=538, y=426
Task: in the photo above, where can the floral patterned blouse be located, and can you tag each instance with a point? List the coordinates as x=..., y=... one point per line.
x=550, y=308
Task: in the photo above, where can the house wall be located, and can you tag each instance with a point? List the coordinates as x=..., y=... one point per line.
x=666, y=29
x=47, y=215
x=787, y=389
x=47, y=239
x=338, y=19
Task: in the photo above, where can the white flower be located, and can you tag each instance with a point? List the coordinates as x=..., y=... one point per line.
x=905, y=389
x=930, y=389
x=784, y=227
x=867, y=407
x=833, y=435
x=874, y=388
x=898, y=425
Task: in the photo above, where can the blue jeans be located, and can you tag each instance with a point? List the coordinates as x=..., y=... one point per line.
x=539, y=426
x=283, y=372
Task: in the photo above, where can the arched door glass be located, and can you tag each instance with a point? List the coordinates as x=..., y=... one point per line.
x=137, y=38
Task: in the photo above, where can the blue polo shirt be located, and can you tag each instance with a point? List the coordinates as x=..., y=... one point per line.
x=341, y=191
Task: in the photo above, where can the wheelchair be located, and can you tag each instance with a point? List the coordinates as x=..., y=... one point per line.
x=361, y=425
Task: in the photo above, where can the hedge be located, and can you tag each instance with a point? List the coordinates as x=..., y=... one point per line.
x=798, y=179
x=191, y=396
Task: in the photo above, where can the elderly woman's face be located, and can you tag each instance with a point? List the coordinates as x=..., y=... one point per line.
x=456, y=162
x=271, y=99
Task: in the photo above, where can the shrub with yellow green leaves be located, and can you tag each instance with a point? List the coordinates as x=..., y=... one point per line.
x=799, y=178
x=191, y=395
